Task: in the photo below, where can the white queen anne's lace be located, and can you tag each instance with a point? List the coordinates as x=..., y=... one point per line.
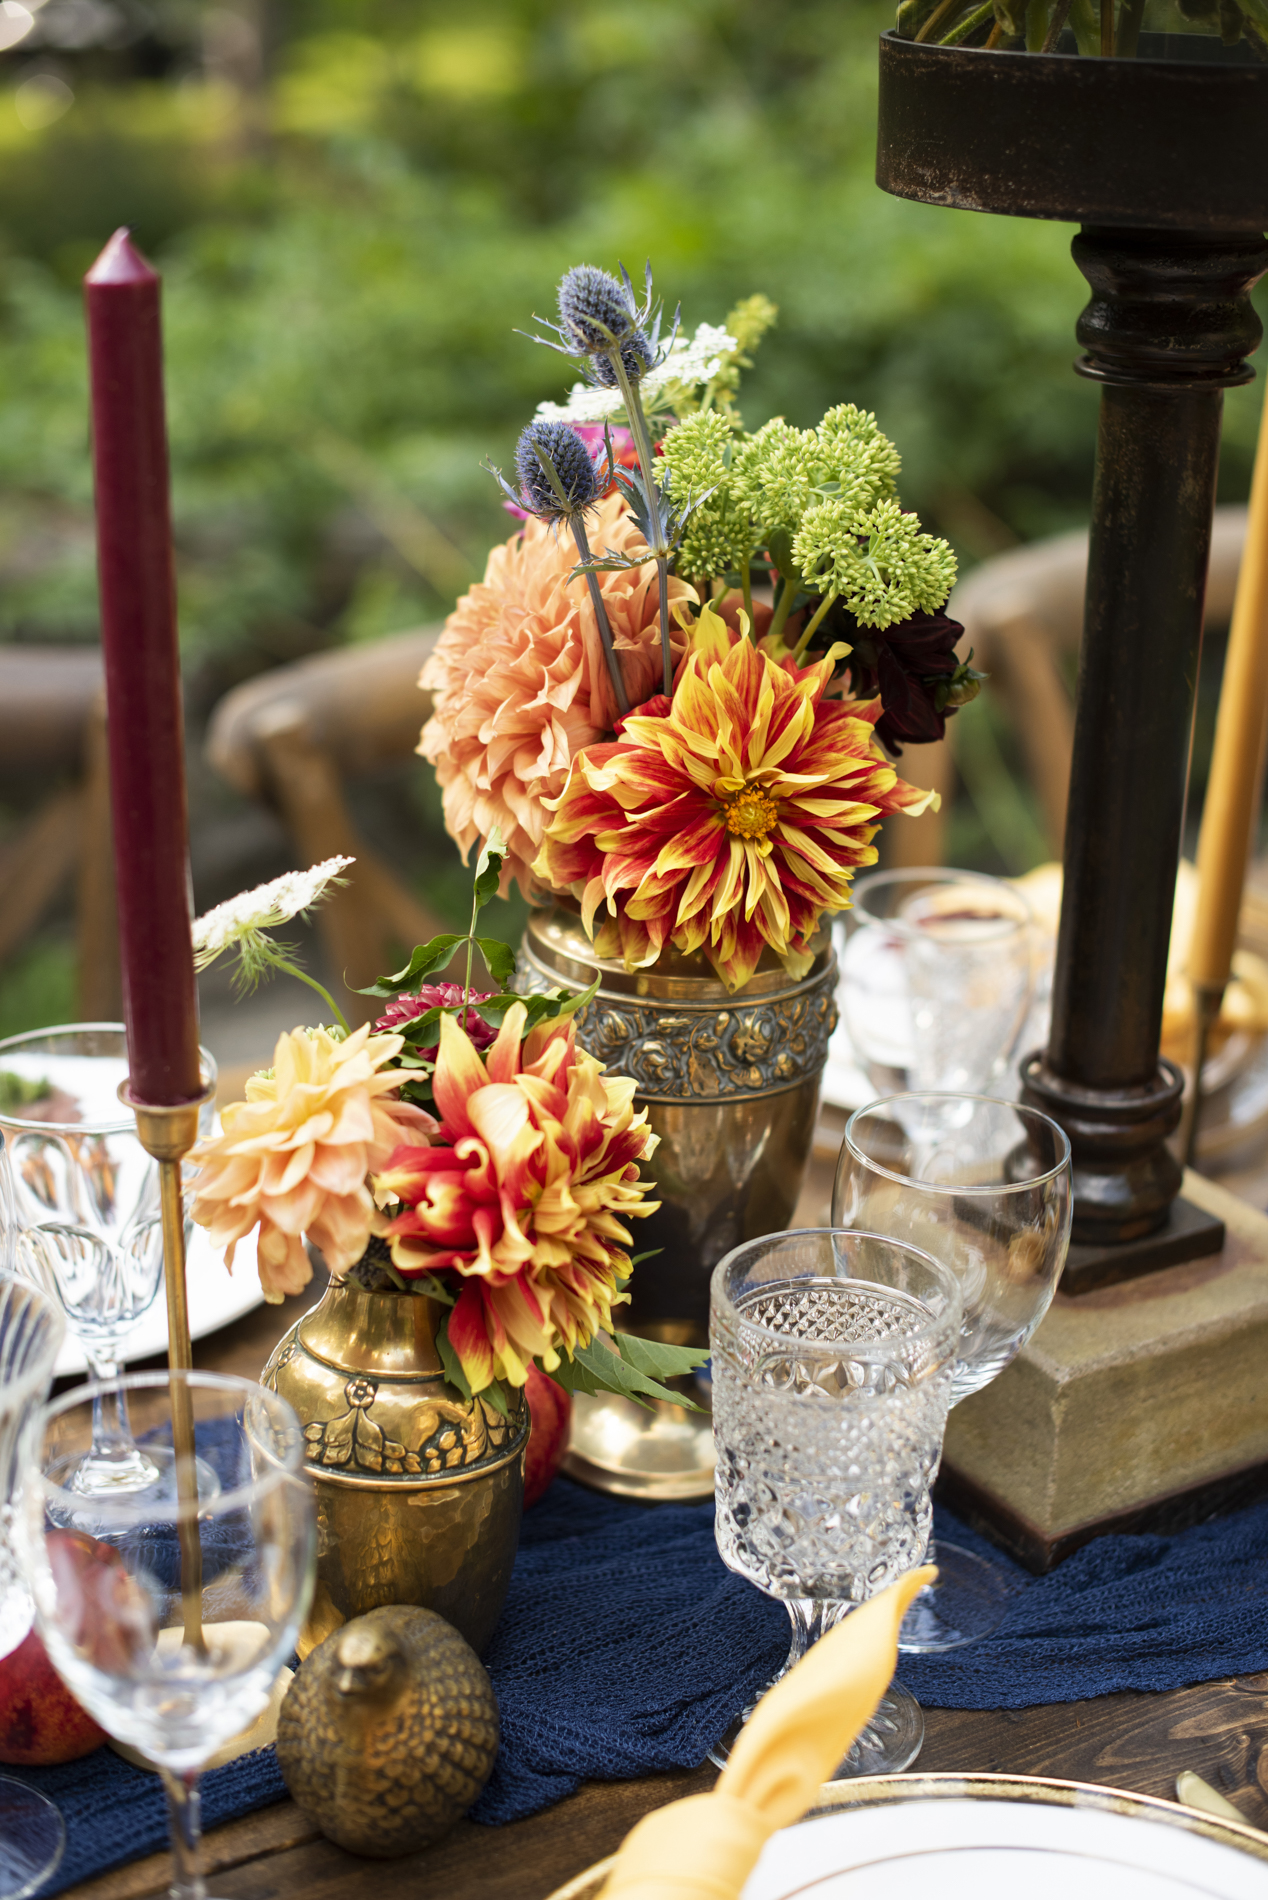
x=690, y=361
x=264, y=908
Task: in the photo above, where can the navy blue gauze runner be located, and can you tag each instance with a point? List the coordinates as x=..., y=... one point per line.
x=626, y=1647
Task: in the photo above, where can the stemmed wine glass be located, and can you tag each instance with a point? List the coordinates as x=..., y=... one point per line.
x=32, y=1835
x=831, y=1356
x=985, y=1186
x=936, y=977
x=173, y=1666
x=87, y=1217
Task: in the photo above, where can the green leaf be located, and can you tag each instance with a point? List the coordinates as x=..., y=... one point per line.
x=779, y=547
x=659, y=1361
x=559, y=1007
x=594, y=1368
x=450, y=1360
x=422, y=1031
x=494, y=1395
x=426, y=958
x=488, y=871
x=651, y=1253
x=499, y=958
x=434, y=1289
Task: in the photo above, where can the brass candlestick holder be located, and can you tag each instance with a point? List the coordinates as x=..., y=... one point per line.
x=168, y=1133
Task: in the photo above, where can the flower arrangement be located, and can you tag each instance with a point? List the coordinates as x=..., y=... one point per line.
x=1099, y=28
x=673, y=690
x=462, y=1146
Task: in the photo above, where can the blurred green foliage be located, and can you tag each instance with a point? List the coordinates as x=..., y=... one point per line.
x=347, y=248
x=353, y=219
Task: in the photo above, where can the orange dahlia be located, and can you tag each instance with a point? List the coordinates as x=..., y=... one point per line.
x=730, y=822
x=524, y=1201
x=519, y=683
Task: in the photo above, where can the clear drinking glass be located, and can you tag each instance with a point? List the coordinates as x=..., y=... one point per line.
x=86, y=1213
x=832, y=1356
x=32, y=1836
x=936, y=977
x=119, y=1610
x=983, y=1185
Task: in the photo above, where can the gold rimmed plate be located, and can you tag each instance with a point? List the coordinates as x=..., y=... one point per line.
x=997, y=1837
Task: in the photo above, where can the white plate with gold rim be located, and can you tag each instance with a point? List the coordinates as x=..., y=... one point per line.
x=997, y=1837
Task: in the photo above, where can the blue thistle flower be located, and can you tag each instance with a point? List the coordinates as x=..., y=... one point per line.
x=576, y=484
x=595, y=309
x=597, y=312
x=559, y=479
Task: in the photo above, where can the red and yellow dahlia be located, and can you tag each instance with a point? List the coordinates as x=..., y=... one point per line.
x=731, y=822
x=523, y=1196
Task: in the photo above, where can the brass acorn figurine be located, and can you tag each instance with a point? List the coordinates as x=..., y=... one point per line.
x=388, y=1732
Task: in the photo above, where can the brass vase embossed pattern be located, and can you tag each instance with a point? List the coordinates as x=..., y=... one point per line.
x=419, y=1491
x=731, y=1083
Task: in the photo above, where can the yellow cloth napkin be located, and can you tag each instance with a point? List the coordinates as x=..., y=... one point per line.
x=705, y=1848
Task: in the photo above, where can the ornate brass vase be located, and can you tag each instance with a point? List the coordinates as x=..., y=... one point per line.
x=419, y=1491
x=731, y=1085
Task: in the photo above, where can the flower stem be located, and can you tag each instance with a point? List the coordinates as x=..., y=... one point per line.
x=466, y=986
x=1056, y=25
x=601, y=615
x=783, y=606
x=293, y=969
x=970, y=24
x=812, y=623
x=643, y=444
x=942, y=15
x=746, y=586
x=1107, y=29
x=1130, y=21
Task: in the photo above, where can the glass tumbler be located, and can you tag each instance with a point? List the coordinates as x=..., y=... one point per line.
x=32, y=1836
x=984, y=1186
x=936, y=977
x=832, y=1356
x=86, y=1214
x=171, y=1622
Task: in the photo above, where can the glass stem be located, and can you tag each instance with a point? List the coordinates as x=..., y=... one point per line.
x=111, y=1426
x=183, y=1808
x=811, y=1617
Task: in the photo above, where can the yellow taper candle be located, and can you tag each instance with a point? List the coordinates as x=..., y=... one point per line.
x=1233, y=790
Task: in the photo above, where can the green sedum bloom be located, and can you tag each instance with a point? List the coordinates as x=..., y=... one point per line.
x=775, y=476
x=697, y=462
x=879, y=562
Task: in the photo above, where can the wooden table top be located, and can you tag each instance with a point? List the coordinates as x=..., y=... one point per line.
x=1133, y=1741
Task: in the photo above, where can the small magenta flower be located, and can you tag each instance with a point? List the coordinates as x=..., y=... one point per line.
x=407, y=1008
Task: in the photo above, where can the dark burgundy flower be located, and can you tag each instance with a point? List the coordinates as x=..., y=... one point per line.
x=404, y=1009
x=913, y=666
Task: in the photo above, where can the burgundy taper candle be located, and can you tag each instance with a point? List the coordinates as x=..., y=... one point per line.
x=137, y=585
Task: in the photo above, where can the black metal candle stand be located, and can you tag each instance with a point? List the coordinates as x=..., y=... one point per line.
x=1165, y=165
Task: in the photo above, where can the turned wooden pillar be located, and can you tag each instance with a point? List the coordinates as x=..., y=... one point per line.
x=1168, y=329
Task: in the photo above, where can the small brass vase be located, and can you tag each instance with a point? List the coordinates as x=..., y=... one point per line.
x=730, y=1081
x=419, y=1491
